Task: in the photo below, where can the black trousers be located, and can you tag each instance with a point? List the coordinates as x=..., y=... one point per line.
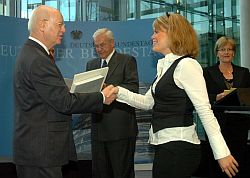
x=38, y=172
x=177, y=159
x=113, y=159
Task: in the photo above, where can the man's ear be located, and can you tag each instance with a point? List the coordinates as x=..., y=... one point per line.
x=42, y=24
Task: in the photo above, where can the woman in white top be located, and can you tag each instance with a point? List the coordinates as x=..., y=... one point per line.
x=178, y=89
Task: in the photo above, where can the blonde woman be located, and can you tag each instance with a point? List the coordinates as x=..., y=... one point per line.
x=178, y=89
x=221, y=77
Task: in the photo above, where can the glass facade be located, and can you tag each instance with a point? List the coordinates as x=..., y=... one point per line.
x=211, y=19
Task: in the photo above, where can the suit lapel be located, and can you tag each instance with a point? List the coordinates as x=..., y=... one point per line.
x=217, y=77
x=39, y=48
x=113, y=63
x=238, y=75
x=36, y=45
x=42, y=52
x=98, y=63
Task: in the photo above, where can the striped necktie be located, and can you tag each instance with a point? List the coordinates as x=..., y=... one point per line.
x=51, y=55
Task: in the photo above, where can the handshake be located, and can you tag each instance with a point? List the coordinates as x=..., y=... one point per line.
x=110, y=93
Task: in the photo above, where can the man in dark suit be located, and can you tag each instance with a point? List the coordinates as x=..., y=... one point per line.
x=114, y=130
x=43, y=138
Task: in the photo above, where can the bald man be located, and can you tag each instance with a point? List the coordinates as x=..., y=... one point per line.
x=43, y=139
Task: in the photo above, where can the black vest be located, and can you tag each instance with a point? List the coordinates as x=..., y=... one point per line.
x=172, y=107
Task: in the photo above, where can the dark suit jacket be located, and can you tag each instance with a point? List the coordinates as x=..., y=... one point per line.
x=118, y=120
x=215, y=80
x=234, y=127
x=43, y=107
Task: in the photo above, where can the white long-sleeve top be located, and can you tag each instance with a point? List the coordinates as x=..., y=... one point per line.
x=188, y=75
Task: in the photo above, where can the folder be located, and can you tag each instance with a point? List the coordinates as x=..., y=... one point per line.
x=238, y=98
x=88, y=82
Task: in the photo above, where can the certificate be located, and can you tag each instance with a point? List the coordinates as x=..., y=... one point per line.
x=88, y=82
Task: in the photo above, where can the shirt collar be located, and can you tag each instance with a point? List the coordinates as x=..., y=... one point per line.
x=169, y=58
x=109, y=56
x=40, y=43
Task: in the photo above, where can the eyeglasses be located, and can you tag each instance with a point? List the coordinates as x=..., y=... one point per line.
x=60, y=24
x=102, y=45
x=225, y=50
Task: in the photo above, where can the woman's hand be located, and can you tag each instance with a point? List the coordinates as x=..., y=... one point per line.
x=220, y=96
x=229, y=165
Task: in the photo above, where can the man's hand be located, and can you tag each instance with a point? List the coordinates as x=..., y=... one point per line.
x=228, y=165
x=110, y=93
x=104, y=85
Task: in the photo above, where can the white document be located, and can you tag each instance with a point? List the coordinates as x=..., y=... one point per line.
x=90, y=81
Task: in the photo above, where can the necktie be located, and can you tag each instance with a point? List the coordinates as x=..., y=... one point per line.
x=104, y=63
x=51, y=55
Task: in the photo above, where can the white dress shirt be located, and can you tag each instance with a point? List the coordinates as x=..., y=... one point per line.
x=109, y=57
x=188, y=75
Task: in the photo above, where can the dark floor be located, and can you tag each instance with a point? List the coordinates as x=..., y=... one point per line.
x=80, y=169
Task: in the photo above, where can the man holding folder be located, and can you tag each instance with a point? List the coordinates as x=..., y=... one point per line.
x=43, y=138
x=113, y=132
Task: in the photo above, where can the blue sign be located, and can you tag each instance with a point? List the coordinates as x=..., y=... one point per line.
x=131, y=37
